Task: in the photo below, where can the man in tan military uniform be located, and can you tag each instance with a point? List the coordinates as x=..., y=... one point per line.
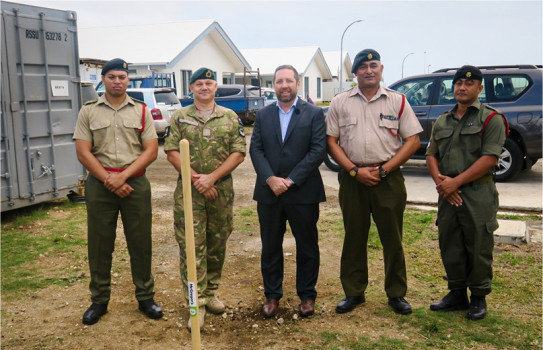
x=370, y=122
x=217, y=147
x=461, y=157
x=115, y=141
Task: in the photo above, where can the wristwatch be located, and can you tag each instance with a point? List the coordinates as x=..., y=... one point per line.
x=382, y=172
x=353, y=171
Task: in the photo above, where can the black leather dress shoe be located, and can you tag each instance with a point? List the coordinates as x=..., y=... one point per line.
x=349, y=303
x=150, y=308
x=400, y=306
x=93, y=313
x=457, y=299
x=477, y=308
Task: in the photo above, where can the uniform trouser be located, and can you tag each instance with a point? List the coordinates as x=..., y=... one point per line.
x=302, y=219
x=213, y=224
x=385, y=202
x=466, y=238
x=103, y=209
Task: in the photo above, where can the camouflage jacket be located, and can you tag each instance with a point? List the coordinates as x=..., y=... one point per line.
x=211, y=141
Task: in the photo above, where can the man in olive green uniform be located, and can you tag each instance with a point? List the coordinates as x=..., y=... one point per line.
x=461, y=156
x=115, y=141
x=217, y=147
x=370, y=122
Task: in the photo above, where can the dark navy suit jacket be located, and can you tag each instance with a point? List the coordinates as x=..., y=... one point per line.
x=297, y=157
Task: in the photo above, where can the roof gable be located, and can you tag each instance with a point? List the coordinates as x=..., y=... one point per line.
x=332, y=61
x=153, y=44
x=266, y=60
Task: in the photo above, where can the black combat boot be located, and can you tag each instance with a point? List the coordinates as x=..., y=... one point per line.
x=477, y=308
x=457, y=299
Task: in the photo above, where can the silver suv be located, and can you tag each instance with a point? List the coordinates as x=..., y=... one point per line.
x=515, y=90
x=162, y=103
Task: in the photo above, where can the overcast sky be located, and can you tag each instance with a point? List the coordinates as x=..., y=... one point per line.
x=439, y=33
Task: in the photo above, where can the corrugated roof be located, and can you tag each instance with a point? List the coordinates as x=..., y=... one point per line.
x=150, y=44
x=270, y=58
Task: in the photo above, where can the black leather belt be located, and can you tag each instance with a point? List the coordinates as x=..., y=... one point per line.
x=369, y=165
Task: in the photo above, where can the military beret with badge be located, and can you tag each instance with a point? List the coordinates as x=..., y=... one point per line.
x=364, y=56
x=202, y=73
x=115, y=64
x=469, y=73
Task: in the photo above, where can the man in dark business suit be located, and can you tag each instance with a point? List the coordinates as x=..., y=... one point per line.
x=287, y=146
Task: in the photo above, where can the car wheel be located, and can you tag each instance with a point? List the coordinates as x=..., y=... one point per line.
x=331, y=163
x=510, y=161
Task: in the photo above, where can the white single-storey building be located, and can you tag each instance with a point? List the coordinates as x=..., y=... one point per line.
x=332, y=87
x=308, y=61
x=179, y=48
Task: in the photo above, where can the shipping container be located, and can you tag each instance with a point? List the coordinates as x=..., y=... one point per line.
x=40, y=100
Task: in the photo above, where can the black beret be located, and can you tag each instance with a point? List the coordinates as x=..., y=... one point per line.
x=115, y=64
x=469, y=73
x=363, y=56
x=202, y=73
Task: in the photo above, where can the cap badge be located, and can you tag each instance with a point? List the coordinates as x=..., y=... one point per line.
x=209, y=74
x=468, y=74
x=370, y=56
x=125, y=65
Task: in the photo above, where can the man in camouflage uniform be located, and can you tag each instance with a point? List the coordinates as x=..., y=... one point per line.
x=115, y=141
x=217, y=147
x=461, y=157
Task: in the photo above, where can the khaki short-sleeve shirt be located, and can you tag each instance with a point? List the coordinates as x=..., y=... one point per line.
x=370, y=132
x=211, y=141
x=116, y=134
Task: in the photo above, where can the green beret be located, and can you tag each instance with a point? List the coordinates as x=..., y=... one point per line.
x=115, y=64
x=363, y=56
x=202, y=73
x=469, y=73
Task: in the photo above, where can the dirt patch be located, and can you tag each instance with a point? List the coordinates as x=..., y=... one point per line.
x=50, y=318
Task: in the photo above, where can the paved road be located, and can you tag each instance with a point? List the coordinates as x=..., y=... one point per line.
x=524, y=193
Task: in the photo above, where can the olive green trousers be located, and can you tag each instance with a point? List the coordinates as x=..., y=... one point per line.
x=466, y=237
x=385, y=202
x=103, y=208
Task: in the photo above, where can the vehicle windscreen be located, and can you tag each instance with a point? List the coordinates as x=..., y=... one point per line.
x=223, y=92
x=135, y=94
x=166, y=97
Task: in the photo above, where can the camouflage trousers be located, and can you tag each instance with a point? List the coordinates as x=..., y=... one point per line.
x=212, y=227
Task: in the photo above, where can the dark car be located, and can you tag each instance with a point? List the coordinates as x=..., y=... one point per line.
x=514, y=90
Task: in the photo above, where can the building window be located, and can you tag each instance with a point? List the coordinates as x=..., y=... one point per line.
x=318, y=88
x=306, y=86
x=185, y=79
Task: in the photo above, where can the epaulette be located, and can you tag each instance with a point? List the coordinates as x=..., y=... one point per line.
x=492, y=108
x=91, y=102
x=136, y=100
x=391, y=90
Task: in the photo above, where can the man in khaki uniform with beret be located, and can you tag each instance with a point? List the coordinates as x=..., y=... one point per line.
x=461, y=157
x=366, y=126
x=217, y=147
x=116, y=141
